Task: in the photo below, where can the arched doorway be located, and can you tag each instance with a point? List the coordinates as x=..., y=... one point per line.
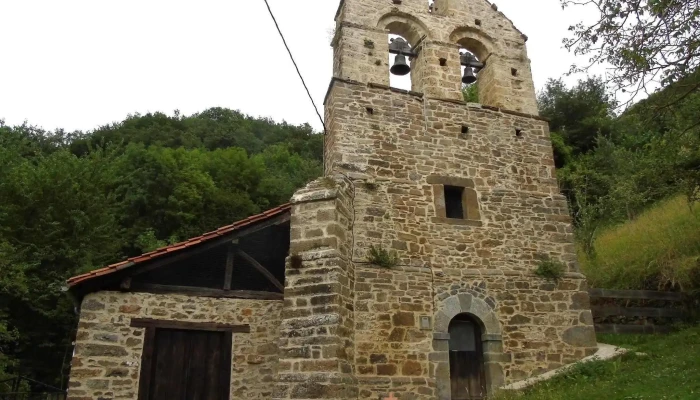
x=467, y=375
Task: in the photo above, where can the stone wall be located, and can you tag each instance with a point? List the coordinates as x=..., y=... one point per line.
x=530, y=326
x=107, y=359
x=392, y=350
x=535, y=325
x=408, y=144
x=361, y=49
x=398, y=149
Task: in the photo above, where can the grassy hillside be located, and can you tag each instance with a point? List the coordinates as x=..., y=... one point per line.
x=669, y=370
x=658, y=250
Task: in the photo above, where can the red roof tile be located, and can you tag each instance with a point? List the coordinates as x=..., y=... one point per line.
x=224, y=230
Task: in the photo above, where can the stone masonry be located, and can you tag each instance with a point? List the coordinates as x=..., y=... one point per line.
x=354, y=330
x=107, y=359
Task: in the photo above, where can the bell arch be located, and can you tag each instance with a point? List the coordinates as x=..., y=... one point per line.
x=474, y=40
x=404, y=25
x=478, y=310
x=481, y=46
x=410, y=28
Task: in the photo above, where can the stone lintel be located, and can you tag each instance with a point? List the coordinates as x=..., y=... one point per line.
x=453, y=221
x=450, y=181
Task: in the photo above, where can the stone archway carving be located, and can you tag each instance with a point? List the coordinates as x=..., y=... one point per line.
x=491, y=338
x=404, y=25
x=474, y=40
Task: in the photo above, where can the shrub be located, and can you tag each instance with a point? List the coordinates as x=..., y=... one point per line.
x=550, y=270
x=382, y=258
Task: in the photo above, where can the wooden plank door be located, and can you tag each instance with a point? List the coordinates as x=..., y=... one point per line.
x=466, y=360
x=187, y=365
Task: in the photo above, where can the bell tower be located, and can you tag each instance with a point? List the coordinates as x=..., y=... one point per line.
x=422, y=240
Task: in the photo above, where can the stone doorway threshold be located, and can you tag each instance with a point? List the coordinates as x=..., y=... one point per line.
x=605, y=352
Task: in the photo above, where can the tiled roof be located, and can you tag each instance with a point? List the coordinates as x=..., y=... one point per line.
x=224, y=230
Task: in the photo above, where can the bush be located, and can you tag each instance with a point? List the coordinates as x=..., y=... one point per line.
x=382, y=258
x=550, y=270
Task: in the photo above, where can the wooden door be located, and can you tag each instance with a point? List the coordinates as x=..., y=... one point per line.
x=186, y=365
x=466, y=360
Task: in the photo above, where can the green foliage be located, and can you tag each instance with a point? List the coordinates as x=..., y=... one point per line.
x=550, y=269
x=613, y=168
x=644, y=41
x=471, y=93
x=578, y=115
x=660, y=250
x=73, y=202
x=671, y=370
x=381, y=257
x=215, y=128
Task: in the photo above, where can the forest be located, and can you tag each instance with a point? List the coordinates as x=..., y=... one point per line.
x=72, y=202
x=75, y=201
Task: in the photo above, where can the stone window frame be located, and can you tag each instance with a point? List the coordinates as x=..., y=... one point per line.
x=491, y=338
x=470, y=200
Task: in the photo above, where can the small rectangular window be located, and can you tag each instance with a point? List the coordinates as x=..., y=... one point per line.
x=453, y=202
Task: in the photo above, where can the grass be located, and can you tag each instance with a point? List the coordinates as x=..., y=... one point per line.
x=670, y=370
x=658, y=250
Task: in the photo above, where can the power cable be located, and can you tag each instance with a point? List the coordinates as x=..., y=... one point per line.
x=296, y=66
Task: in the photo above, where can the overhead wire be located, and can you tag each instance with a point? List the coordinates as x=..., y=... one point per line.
x=295, y=65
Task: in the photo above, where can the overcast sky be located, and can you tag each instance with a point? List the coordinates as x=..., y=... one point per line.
x=79, y=64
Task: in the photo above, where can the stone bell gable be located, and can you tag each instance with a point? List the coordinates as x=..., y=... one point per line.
x=361, y=48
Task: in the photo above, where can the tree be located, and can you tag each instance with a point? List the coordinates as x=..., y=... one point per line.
x=73, y=202
x=647, y=43
x=577, y=115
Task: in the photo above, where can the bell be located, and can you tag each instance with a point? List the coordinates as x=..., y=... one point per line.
x=469, y=76
x=400, y=66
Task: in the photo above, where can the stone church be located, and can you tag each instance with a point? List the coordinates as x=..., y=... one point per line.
x=406, y=272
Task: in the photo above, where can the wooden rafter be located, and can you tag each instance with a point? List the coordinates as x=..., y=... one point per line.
x=229, y=267
x=261, y=269
x=228, y=239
